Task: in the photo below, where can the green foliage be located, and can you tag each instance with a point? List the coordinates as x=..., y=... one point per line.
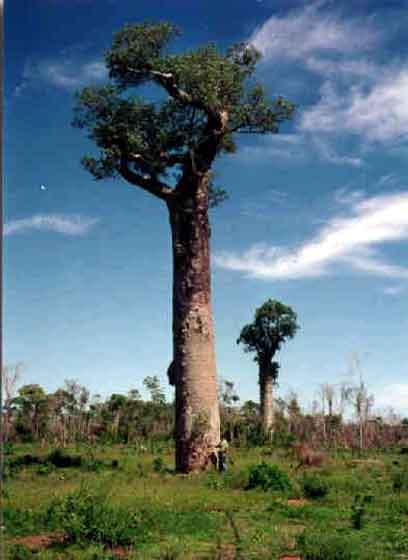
x=158, y=465
x=187, y=128
x=358, y=510
x=268, y=478
x=155, y=389
x=283, y=438
x=187, y=514
x=327, y=546
x=399, y=478
x=85, y=517
x=215, y=482
x=273, y=324
x=45, y=470
x=19, y=521
x=31, y=408
x=18, y=552
x=62, y=460
x=314, y=486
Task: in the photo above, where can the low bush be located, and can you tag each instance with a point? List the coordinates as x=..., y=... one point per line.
x=268, y=478
x=61, y=459
x=358, y=510
x=85, y=517
x=158, y=465
x=314, y=487
x=399, y=479
x=18, y=552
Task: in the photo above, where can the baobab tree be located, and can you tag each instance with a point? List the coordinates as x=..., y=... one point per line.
x=167, y=147
x=273, y=324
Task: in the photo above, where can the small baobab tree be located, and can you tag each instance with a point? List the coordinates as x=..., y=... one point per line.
x=167, y=146
x=273, y=324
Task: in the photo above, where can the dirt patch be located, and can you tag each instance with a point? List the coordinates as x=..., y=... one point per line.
x=228, y=552
x=296, y=502
x=39, y=542
x=36, y=543
x=120, y=551
x=290, y=558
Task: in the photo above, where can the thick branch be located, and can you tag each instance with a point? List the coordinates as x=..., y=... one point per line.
x=169, y=160
x=147, y=183
x=167, y=80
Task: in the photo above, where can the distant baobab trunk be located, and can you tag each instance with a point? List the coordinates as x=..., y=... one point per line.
x=266, y=382
x=273, y=324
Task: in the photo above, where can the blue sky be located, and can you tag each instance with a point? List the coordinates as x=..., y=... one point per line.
x=317, y=215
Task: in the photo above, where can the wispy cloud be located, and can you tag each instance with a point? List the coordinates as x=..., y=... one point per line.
x=394, y=395
x=279, y=147
x=361, y=93
x=66, y=72
x=350, y=240
x=296, y=148
x=381, y=114
x=393, y=290
x=72, y=225
x=302, y=33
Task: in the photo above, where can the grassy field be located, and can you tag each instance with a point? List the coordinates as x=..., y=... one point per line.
x=119, y=502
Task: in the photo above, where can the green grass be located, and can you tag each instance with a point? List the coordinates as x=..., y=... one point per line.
x=162, y=515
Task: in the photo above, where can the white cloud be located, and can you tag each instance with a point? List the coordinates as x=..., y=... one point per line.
x=359, y=68
x=302, y=33
x=345, y=240
x=379, y=114
x=393, y=290
x=297, y=148
x=65, y=73
x=66, y=224
x=361, y=94
x=279, y=147
x=394, y=395
x=346, y=196
x=327, y=153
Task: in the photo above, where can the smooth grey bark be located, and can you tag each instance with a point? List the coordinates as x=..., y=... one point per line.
x=193, y=371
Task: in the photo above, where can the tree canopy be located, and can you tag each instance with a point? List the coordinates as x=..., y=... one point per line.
x=209, y=96
x=273, y=324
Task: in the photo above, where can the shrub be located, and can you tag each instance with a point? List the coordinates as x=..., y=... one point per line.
x=358, y=510
x=399, y=478
x=314, y=487
x=26, y=460
x=85, y=517
x=269, y=478
x=158, y=465
x=18, y=552
x=283, y=438
x=61, y=459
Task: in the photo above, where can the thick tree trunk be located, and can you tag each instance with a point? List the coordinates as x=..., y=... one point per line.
x=266, y=399
x=193, y=370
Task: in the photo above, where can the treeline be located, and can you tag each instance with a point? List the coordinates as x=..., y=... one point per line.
x=342, y=417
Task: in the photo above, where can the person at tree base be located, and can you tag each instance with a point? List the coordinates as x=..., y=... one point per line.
x=222, y=455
